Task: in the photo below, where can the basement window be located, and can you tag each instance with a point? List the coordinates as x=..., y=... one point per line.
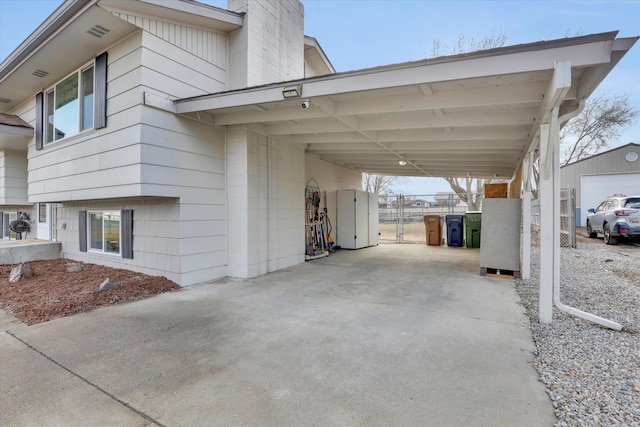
x=108, y=232
x=104, y=232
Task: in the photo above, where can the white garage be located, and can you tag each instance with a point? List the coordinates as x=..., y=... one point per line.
x=596, y=188
x=616, y=171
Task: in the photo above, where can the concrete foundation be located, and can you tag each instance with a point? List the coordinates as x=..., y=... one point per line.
x=19, y=251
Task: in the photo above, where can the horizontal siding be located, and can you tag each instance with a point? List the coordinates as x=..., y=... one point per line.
x=160, y=248
x=146, y=152
x=96, y=163
x=13, y=177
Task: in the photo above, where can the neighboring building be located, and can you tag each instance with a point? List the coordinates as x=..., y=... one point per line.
x=419, y=203
x=616, y=171
x=449, y=199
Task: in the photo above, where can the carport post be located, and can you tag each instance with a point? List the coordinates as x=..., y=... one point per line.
x=525, y=269
x=549, y=256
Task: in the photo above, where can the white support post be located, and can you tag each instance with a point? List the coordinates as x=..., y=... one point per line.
x=547, y=220
x=525, y=269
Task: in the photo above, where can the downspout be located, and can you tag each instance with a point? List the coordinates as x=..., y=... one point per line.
x=556, y=288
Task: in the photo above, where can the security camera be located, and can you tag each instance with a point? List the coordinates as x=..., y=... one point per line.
x=305, y=104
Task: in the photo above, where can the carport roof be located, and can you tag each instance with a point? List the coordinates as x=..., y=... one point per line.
x=474, y=114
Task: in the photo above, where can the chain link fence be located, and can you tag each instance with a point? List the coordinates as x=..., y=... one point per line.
x=567, y=217
x=401, y=216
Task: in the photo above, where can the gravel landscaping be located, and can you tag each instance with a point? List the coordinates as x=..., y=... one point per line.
x=592, y=373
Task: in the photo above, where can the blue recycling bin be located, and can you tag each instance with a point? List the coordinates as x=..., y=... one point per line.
x=455, y=231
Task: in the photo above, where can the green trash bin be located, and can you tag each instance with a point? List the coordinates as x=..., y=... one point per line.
x=472, y=222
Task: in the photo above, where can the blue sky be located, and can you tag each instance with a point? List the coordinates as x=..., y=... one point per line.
x=365, y=33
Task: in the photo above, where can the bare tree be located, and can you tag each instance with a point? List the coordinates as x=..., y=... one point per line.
x=379, y=184
x=599, y=123
x=469, y=190
x=466, y=43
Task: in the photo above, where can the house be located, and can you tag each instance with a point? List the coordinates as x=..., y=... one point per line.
x=120, y=181
x=448, y=199
x=176, y=138
x=419, y=203
x=616, y=171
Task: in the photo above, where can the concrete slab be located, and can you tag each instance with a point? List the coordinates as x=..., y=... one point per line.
x=390, y=335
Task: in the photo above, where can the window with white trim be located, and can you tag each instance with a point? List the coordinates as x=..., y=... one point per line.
x=7, y=218
x=69, y=105
x=42, y=212
x=75, y=104
x=104, y=232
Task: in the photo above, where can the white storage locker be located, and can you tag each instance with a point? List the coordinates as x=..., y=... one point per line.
x=357, y=219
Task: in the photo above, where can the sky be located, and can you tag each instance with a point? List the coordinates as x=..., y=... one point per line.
x=357, y=34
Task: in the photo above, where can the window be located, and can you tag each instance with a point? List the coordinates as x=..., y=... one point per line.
x=108, y=232
x=104, y=232
x=42, y=212
x=75, y=104
x=69, y=106
x=7, y=218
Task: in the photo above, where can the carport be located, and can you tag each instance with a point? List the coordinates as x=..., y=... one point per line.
x=488, y=114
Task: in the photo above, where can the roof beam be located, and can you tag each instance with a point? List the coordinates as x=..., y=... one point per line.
x=422, y=146
x=479, y=134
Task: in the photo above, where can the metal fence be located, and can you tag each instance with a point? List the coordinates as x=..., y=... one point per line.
x=401, y=216
x=567, y=217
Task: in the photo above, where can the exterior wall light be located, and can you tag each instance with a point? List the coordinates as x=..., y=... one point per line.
x=292, y=91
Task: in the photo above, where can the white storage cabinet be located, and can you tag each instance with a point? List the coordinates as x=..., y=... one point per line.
x=357, y=219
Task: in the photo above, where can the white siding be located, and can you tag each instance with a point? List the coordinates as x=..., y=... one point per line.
x=185, y=158
x=101, y=163
x=276, y=205
x=207, y=45
x=156, y=235
x=331, y=178
x=13, y=177
x=265, y=204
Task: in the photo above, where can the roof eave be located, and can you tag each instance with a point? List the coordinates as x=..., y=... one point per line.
x=51, y=25
x=437, y=69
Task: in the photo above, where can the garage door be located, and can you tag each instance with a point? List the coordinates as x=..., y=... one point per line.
x=596, y=188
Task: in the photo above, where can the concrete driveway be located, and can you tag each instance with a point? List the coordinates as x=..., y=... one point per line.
x=394, y=335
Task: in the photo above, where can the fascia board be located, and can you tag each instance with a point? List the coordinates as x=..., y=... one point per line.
x=190, y=13
x=455, y=68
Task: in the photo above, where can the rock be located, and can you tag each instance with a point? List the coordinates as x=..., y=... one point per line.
x=74, y=268
x=107, y=285
x=21, y=271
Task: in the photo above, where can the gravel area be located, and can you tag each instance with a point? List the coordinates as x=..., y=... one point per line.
x=592, y=373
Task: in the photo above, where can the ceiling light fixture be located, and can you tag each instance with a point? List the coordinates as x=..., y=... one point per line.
x=292, y=91
x=402, y=162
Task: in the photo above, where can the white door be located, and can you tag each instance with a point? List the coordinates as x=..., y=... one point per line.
x=374, y=220
x=594, y=189
x=44, y=221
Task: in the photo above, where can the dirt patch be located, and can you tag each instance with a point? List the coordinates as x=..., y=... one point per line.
x=56, y=292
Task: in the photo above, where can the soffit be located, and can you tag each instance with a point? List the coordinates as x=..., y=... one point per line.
x=63, y=48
